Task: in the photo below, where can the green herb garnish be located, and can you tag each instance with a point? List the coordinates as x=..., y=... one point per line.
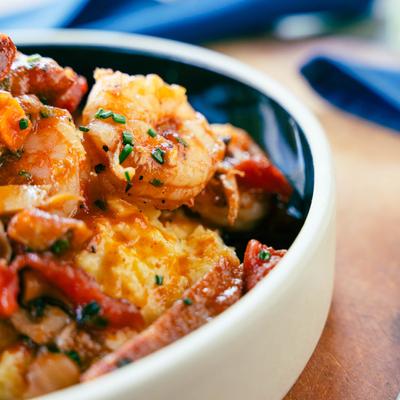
x=44, y=113
x=158, y=155
x=60, y=246
x=90, y=314
x=74, y=356
x=156, y=182
x=103, y=114
x=159, y=279
x=120, y=119
x=125, y=153
x=180, y=140
x=83, y=128
x=264, y=255
x=127, y=138
x=128, y=186
x=151, y=132
x=23, y=123
x=91, y=309
x=25, y=174
x=187, y=301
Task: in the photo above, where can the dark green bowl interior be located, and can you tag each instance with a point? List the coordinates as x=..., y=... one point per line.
x=221, y=99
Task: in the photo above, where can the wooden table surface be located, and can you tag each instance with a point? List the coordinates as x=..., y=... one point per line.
x=358, y=355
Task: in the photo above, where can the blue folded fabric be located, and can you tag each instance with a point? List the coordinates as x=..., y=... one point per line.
x=369, y=92
x=188, y=20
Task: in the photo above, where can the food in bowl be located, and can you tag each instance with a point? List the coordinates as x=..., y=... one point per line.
x=113, y=220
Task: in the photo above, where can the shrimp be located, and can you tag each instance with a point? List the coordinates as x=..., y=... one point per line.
x=238, y=194
x=146, y=142
x=32, y=74
x=52, y=156
x=7, y=55
x=38, y=230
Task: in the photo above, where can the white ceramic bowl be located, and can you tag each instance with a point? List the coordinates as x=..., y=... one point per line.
x=257, y=348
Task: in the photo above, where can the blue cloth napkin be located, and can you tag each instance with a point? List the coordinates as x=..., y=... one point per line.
x=369, y=92
x=188, y=20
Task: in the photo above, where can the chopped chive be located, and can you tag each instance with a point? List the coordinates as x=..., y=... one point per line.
x=59, y=246
x=123, y=361
x=264, y=255
x=44, y=113
x=90, y=313
x=180, y=140
x=33, y=58
x=23, y=123
x=98, y=113
x=91, y=309
x=103, y=114
x=159, y=279
x=156, y=182
x=43, y=100
x=187, y=301
x=84, y=128
x=25, y=174
x=127, y=176
x=100, y=204
x=105, y=148
x=125, y=153
x=74, y=356
x=99, y=168
x=128, y=186
x=127, y=138
x=120, y=119
x=158, y=155
x=151, y=132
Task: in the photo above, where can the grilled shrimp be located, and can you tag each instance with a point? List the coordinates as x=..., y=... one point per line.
x=145, y=141
x=51, y=158
x=238, y=194
x=32, y=74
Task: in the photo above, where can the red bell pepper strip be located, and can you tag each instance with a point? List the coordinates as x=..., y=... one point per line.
x=77, y=286
x=259, y=173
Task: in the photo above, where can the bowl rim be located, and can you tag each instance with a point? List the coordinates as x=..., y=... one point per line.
x=321, y=207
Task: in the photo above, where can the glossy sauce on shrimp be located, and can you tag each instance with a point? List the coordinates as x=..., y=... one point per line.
x=145, y=141
x=51, y=155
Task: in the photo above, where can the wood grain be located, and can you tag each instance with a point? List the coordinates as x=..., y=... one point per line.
x=358, y=356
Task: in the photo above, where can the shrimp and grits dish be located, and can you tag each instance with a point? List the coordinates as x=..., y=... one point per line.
x=114, y=204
